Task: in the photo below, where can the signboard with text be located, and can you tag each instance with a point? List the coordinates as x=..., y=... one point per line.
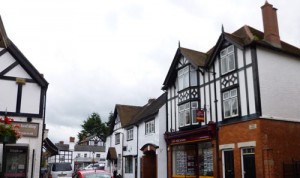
x=28, y=129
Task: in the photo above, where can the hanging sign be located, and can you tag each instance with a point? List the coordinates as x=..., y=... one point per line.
x=200, y=115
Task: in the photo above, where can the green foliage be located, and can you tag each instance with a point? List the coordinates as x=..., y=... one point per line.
x=93, y=125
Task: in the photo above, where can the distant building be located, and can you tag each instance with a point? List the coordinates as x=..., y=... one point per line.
x=136, y=146
x=90, y=150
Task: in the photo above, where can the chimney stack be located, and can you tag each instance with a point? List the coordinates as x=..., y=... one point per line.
x=271, y=31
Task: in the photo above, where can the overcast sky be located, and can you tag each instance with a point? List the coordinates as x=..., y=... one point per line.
x=98, y=53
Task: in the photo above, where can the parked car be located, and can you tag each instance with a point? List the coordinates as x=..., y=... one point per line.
x=57, y=170
x=98, y=166
x=92, y=174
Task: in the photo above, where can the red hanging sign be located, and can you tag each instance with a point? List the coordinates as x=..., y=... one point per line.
x=200, y=115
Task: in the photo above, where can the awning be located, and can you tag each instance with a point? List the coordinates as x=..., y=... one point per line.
x=50, y=147
x=111, y=154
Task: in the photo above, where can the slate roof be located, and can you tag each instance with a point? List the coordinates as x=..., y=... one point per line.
x=62, y=147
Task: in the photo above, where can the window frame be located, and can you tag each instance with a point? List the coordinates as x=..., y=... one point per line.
x=130, y=134
x=128, y=164
x=231, y=99
x=187, y=113
x=225, y=59
x=183, y=78
x=149, y=127
x=117, y=138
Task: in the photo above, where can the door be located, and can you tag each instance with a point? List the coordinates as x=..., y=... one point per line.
x=249, y=163
x=228, y=164
x=149, y=165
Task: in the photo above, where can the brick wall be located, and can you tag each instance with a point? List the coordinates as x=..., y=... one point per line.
x=275, y=142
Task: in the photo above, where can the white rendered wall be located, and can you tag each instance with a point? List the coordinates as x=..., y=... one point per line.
x=279, y=85
x=156, y=138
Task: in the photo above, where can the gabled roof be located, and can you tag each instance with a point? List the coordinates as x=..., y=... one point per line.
x=149, y=110
x=90, y=138
x=125, y=113
x=20, y=58
x=246, y=36
x=196, y=58
x=243, y=37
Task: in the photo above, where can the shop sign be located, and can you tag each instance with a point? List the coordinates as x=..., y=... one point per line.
x=189, y=139
x=200, y=115
x=28, y=129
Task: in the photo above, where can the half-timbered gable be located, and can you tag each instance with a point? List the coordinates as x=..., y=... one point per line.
x=22, y=98
x=182, y=84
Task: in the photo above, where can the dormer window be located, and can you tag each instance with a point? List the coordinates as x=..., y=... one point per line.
x=227, y=60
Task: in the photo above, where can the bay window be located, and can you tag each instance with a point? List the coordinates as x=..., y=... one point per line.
x=187, y=77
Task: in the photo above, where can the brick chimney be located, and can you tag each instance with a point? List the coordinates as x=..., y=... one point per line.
x=271, y=31
x=72, y=143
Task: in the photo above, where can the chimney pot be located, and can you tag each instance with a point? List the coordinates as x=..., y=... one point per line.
x=72, y=139
x=271, y=31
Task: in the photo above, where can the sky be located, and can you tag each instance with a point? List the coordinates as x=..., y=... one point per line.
x=99, y=53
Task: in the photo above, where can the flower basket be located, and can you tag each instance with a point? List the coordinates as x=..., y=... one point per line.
x=9, y=133
x=7, y=139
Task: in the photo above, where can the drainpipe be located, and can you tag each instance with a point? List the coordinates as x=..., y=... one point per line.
x=217, y=128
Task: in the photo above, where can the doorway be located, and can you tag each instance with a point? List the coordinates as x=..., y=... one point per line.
x=228, y=164
x=248, y=156
x=149, y=165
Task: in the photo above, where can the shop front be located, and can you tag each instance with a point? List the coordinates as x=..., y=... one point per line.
x=191, y=153
x=15, y=159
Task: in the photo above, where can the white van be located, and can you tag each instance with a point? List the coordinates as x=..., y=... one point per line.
x=57, y=170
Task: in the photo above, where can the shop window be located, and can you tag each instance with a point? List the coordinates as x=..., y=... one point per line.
x=230, y=103
x=186, y=158
x=128, y=165
x=205, y=156
x=227, y=60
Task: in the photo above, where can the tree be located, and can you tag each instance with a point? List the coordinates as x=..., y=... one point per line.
x=93, y=125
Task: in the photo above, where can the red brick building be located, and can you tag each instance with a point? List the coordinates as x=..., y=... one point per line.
x=247, y=85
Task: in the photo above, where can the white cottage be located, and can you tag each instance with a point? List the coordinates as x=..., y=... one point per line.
x=138, y=146
x=234, y=111
x=22, y=98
